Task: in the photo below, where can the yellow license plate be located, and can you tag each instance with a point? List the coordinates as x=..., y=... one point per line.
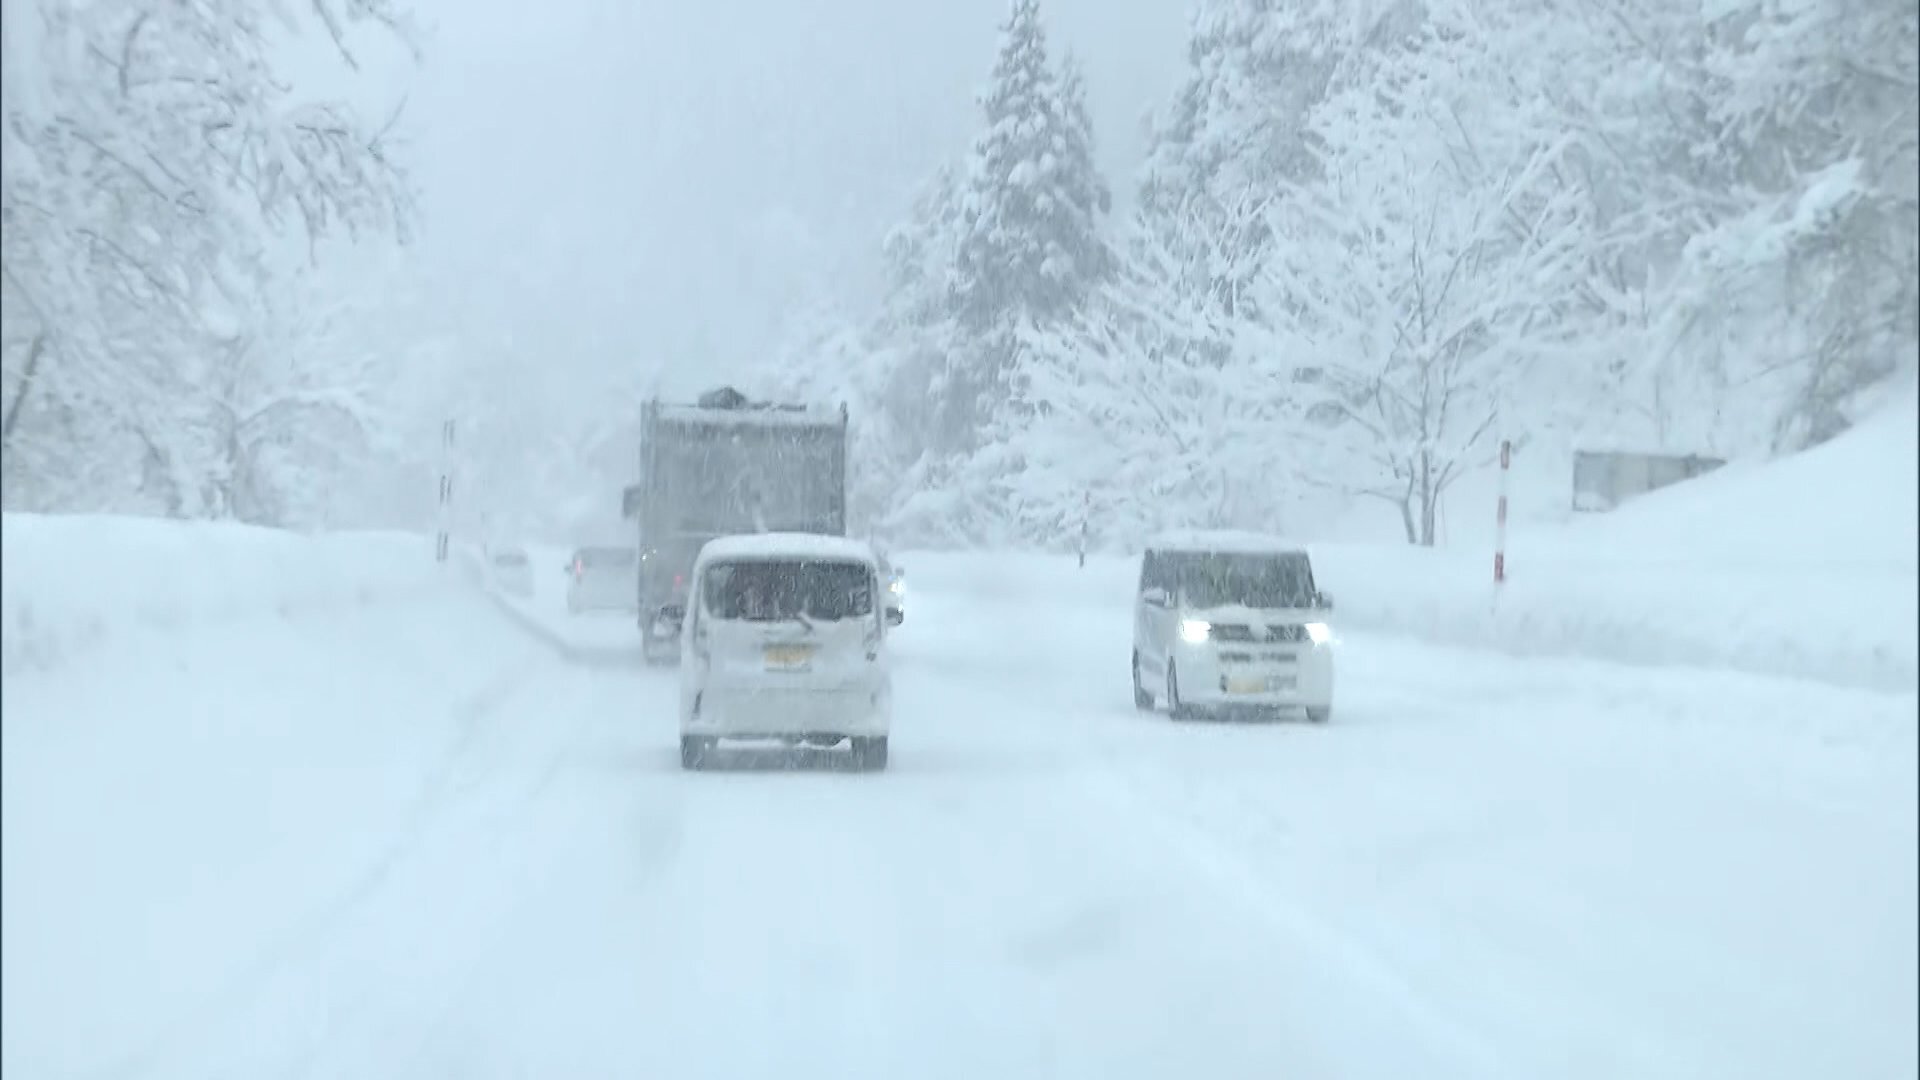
x=1247, y=686
x=786, y=656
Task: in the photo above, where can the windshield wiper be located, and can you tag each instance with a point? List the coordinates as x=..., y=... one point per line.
x=801, y=618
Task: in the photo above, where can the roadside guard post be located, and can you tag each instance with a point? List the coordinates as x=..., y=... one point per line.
x=446, y=492
x=1086, y=519
x=1500, y=517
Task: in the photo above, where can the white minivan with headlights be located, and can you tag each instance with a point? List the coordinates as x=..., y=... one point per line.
x=786, y=639
x=1230, y=622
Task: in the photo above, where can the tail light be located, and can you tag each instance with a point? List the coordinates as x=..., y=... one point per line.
x=579, y=569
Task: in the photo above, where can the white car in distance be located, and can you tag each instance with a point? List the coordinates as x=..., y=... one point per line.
x=1231, y=622
x=786, y=639
x=511, y=570
x=603, y=579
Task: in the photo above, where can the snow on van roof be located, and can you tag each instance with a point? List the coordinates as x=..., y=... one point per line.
x=1225, y=541
x=787, y=545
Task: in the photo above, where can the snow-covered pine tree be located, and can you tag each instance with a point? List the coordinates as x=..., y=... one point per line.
x=1235, y=133
x=1028, y=252
x=1031, y=242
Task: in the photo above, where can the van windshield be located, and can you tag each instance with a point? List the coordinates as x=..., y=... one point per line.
x=771, y=590
x=1255, y=581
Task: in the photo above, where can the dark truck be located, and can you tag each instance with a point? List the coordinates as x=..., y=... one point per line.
x=722, y=467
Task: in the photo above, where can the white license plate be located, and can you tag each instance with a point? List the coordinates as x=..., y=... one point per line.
x=787, y=657
x=1260, y=684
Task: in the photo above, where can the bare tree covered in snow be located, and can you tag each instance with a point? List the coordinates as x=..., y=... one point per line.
x=1431, y=268
x=1752, y=167
x=152, y=159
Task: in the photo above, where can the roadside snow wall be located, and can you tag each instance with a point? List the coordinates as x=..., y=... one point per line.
x=68, y=582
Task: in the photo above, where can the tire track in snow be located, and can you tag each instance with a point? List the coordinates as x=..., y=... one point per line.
x=514, y=837
x=507, y=817
x=1293, y=927
x=312, y=931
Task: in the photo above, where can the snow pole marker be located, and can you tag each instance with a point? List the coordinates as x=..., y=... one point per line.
x=1086, y=517
x=440, y=543
x=1500, y=518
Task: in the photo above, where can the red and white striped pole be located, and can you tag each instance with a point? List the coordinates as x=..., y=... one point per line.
x=1500, y=517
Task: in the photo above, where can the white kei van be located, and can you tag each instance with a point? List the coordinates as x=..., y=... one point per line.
x=1228, y=621
x=786, y=638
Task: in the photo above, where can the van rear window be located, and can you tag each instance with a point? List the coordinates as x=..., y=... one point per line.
x=770, y=590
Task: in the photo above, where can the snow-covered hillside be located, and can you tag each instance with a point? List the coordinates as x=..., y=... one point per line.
x=1803, y=566
x=364, y=824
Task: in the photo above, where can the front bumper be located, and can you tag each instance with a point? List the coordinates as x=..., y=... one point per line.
x=779, y=712
x=1255, y=676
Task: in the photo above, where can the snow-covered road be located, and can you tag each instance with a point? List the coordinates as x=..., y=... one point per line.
x=415, y=841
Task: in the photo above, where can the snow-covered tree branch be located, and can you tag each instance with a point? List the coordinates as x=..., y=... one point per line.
x=153, y=160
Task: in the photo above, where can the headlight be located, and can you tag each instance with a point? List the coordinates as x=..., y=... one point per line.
x=897, y=588
x=1195, y=631
x=1318, y=633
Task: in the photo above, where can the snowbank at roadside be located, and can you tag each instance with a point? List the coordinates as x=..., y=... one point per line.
x=216, y=742
x=1804, y=566
x=69, y=581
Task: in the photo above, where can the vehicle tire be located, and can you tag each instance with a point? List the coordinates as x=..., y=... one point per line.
x=1319, y=716
x=1175, y=709
x=1142, y=697
x=694, y=750
x=870, y=755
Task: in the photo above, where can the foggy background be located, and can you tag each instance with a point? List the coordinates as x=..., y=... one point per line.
x=630, y=187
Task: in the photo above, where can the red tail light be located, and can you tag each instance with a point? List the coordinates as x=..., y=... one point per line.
x=679, y=580
x=579, y=568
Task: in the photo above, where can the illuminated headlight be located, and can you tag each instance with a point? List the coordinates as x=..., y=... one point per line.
x=897, y=587
x=1318, y=633
x=1195, y=631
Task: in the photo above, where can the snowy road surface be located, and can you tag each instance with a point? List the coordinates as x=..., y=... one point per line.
x=414, y=841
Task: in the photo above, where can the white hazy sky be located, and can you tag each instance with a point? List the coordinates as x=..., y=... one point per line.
x=629, y=186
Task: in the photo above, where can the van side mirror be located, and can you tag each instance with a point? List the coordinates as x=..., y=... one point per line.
x=1156, y=597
